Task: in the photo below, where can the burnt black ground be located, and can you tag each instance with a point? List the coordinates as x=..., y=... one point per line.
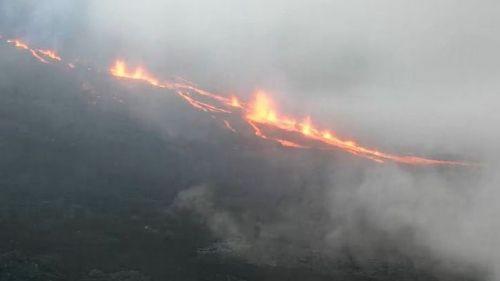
x=89, y=169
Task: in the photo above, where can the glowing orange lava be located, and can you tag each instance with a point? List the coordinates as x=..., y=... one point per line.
x=258, y=113
x=50, y=54
x=183, y=89
x=18, y=44
x=119, y=69
x=235, y=102
x=261, y=111
x=39, y=54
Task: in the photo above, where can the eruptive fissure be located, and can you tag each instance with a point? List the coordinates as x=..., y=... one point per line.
x=257, y=113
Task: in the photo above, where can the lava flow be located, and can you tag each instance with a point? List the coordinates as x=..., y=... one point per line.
x=258, y=113
x=183, y=89
x=39, y=54
x=261, y=111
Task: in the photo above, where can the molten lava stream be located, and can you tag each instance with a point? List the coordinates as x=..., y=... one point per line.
x=39, y=54
x=259, y=111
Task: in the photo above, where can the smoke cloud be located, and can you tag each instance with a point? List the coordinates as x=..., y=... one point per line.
x=400, y=75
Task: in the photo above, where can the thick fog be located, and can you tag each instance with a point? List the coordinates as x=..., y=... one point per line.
x=405, y=76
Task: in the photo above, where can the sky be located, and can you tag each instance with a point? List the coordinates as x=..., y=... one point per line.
x=410, y=75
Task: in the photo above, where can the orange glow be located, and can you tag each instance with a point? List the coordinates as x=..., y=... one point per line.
x=18, y=44
x=260, y=114
x=235, y=102
x=327, y=135
x=50, y=54
x=262, y=111
x=23, y=46
x=184, y=90
x=201, y=105
x=306, y=126
x=119, y=69
x=37, y=56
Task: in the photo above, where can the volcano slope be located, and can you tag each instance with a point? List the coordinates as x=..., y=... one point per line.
x=112, y=180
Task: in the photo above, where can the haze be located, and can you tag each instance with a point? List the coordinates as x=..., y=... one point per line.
x=406, y=76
